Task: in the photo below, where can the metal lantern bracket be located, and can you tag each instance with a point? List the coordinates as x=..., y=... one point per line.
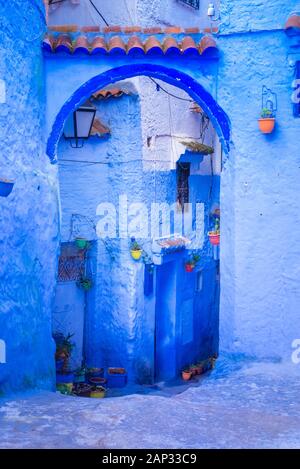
x=79, y=139
x=268, y=99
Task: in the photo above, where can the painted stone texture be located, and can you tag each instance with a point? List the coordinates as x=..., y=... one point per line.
x=259, y=188
x=29, y=216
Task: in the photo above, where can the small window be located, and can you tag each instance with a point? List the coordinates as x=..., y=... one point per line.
x=183, y=173
x=296, y=93
x=192, y=3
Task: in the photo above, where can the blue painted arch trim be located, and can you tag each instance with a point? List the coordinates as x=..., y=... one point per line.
x=169, y=75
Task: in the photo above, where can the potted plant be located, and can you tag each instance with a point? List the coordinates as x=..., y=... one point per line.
x=82, y=243
x=193, y=369
x=267, y=121
x=6, y=186
x=199, y=368
x=117, y=377
x=85, y=283
x=82, y=389
x=192, y=262
x=214, y=235
x=65, y=388
x=98, y=392
x=135, y=250
x=95, y=372
x=186, y=374
x=80, y=375
x=97, y=381
x=64, y=347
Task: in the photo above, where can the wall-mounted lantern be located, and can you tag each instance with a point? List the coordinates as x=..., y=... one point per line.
x=268, y=110
x=211, y=13
x=79, y=124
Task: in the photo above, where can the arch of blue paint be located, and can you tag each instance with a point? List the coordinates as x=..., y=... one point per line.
x=169, y=75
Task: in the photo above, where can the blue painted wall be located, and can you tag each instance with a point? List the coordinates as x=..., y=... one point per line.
x=259, y=185
x=29, y=216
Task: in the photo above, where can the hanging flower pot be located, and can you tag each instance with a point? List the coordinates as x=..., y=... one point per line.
x=6, y=186
x=214, y=237
x=186, y=375
x=136, y=250
x=136, y=254
x=191, y=263
x=267, y=121
x=82, y=243
x=85, y=283
x=189, y=267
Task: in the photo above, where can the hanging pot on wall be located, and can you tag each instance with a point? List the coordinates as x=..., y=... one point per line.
x=266, y=125
x=214, y=237
x=189, y=267
x=82, y=243
x=6, y=186
x=136, y=254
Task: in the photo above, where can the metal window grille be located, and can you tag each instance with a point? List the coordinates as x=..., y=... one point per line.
x=71, y=265
x=192, y=3
x=183, y=174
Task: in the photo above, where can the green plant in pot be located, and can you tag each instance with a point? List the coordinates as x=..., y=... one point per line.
x=85, y=283
x=267, y=121
x=191, y=263
x=64, y=348
x=135, y=249
x=214, y=235
x=82, y=243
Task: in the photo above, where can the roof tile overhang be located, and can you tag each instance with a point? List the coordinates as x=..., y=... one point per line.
x=122, y=41
x=292, y=25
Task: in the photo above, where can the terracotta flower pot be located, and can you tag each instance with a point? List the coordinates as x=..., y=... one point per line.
x=186, y=375
x=214, y=238
x=97, y=381
x=189, y=267
x=136, y=254
x=266, y=125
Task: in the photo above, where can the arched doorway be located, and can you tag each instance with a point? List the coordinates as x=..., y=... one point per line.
x=170, y=75
x=167, y=274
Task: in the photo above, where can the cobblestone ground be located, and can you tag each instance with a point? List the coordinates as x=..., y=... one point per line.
x=241, y=404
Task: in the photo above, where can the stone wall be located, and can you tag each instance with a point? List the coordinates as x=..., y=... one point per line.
x=29, y=216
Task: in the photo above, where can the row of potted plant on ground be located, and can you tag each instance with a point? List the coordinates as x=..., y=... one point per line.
x=90, y=382
x=199, y=368
x=86, y=381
